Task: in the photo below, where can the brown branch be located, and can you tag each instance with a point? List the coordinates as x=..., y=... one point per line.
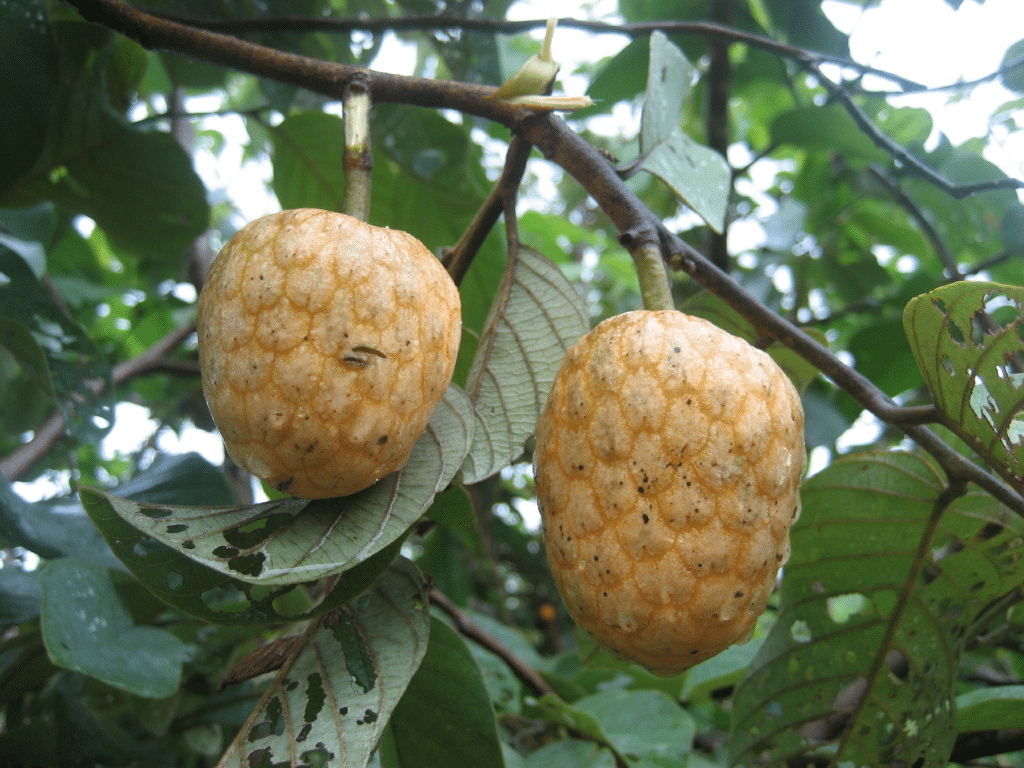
x=898, y=152
x=459, y=257
x=635, y=30
x=466, y=626
x=46, y=436
x=638, y=225
x=716, y=118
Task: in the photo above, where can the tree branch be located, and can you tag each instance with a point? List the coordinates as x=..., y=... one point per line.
x=639, y=227
x=46, y=436
x=466, y=626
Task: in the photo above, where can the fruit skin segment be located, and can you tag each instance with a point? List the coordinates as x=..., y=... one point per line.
x=325, y=344
x=668, y=465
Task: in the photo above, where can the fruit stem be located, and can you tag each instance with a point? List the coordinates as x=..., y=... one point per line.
x=655, y=288
x=358, y=159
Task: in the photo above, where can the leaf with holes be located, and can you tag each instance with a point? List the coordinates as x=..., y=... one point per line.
x=536, y=316
x=968, y=340
x=332, y=698
x=697, y=175
x=883, y=591
x=211, y=595
x=289, y=541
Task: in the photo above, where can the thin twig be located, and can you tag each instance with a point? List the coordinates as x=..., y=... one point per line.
x=466, y=626
x=46, y=436
x=638, y=225
x=459, y=257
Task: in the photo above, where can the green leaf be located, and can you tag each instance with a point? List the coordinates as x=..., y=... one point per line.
x=536, y=316
x=883, y=355
x=987, y=709
x=1013, y=78
x=445, y=717
x=878, y=600
x=325, y=704
x=288, y=541
x=72, y=357
x=647, y=725
x=28, y=82
x=571, y=753
x=1011, y=229
x=138, y=186
x=309, y=150
x=20, y=594
x=182, y=478
x=50, y=529
x=26, y=350
x=825, y=129
x=966, y=337
x=214, y=596
x=87, y=629
x=697, y=175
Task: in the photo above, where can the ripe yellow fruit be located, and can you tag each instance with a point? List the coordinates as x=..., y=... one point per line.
x=325, y=344
x=668, y=465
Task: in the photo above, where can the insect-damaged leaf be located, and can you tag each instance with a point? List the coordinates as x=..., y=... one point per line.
x=968, y=340
x=288, y=541
x=316, y=711
x=536, y=316
x=884, y=589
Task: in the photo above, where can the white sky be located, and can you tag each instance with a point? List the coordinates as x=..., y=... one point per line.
x=924, y=40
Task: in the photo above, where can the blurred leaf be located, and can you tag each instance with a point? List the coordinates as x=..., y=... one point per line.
x=968, y=340
x=878, y=600
x=26, y=350
x=619, y=78
x=87, y=629
x=1011, y=229
x=294, y=540
x=719, y=671
x=74, y=362
x=698, y=175
x=28, y=83
x=536, y=316
x=138, y=186
x=883, y=355
x=427, y=175
x=647, y=725
x=827, y=130
x=1012, y=77
x=445, y=716
x=710, y=307
x=20, y=594
x=50, y=529
x=571, y=753
x=334, y=695
x=308, y=154
x=182, y=478
x=986, y=709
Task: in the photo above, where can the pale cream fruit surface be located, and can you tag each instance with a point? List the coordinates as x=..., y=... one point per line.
x=668, y=465
x=325, y=344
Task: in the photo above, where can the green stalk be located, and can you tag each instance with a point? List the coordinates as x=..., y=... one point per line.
x=655, y=288
x=358, y=159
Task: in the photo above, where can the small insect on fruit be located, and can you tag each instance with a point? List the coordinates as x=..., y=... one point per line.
x=668, y=467
x=325, y=344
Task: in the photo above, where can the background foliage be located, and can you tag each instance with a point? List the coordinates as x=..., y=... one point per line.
x=154, y=612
